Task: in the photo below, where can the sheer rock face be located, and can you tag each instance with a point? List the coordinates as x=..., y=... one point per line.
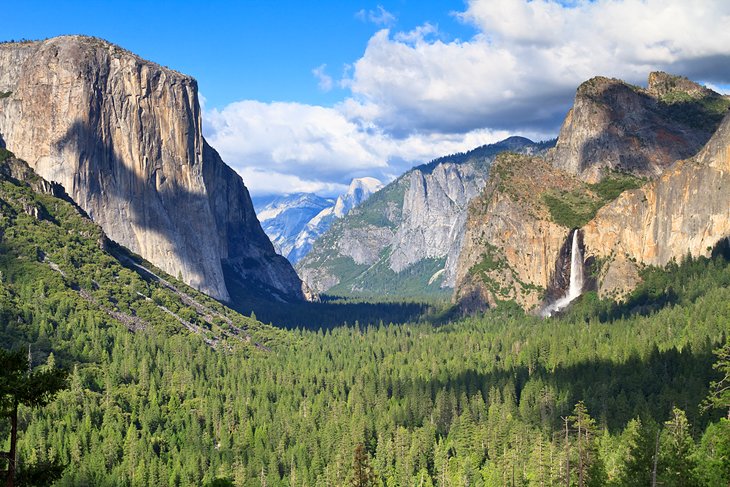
x=423, y=219
x=434, y=214
x=418, y=218
x=123, y=136
x=510, y=246
x=684, y=212
x=617, y=126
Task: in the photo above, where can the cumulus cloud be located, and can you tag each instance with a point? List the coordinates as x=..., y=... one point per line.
x=379, y=16
x=325, y=81
x=522, y=69
x=287, y=147
x=415, y=96
x=261, y=181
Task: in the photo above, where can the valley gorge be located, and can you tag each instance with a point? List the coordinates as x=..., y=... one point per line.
x=293, y=222
x=406, y=239
x=521, y=313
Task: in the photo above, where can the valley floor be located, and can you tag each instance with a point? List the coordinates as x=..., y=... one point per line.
x=481, y=401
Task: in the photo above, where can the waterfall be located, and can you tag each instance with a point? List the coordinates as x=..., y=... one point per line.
x=576, y=279
x=576, y=269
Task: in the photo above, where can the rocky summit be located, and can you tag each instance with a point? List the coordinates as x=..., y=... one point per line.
x=618, y=126
x=625, y=173
x=123, y=136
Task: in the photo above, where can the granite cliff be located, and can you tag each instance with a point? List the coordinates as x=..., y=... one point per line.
x=614, y=175
x=684, y=212
x=405, y=240
x=617, y=126
x=123, y=137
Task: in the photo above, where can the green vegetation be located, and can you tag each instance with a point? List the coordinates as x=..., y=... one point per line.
x=573, y=209
x=5, y=94
x=500, y=399
x=491, y=260
x=5, y=154
x=506, y=288
x=699, y=111
x=377, y=209
x=21, y=385
x=421, y=280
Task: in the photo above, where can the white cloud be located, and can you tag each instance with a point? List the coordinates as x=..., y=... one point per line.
x=379, y=16
x=288, y=147
x=324, y=81
x=262, y=182
x=524, y=65
x=415, y=96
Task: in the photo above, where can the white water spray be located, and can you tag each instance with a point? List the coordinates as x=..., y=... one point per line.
x=575, y=288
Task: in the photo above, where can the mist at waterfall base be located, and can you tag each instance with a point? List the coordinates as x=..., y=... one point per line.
x=576, y=280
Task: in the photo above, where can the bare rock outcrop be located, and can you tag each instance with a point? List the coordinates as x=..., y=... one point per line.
x=686, y=211
x=123, y=136
x=618, y=126
x=511, y=245
x=517, y=229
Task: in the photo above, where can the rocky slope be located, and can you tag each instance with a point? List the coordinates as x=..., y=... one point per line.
x=511, y=244
x=46, y=238
x=406, y=238
x=123, y=137
x=516, y=243
x=294, y=222
x=618, y=126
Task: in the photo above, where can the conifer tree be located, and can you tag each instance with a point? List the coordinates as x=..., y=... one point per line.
x=676, y=459
x=34, y=388
x=362, y=472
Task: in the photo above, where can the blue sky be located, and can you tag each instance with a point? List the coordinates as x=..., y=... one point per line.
x=304, y=96
x=262, y=50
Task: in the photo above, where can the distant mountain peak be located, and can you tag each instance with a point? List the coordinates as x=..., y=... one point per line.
x=359, y=190
x=294, y=221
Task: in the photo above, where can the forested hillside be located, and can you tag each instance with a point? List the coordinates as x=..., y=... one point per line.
x=480, y=401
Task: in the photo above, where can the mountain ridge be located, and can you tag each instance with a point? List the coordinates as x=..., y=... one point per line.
x=294, y=222
x=515, y=243
x=416, y=220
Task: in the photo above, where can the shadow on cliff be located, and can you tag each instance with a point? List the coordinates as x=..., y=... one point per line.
x=164, y=210
x=670, y=131
x=157, y=205
x=147, y=209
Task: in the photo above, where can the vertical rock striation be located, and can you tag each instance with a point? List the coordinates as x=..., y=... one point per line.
x=123, y=136
x=406, y=238
x=686, y=211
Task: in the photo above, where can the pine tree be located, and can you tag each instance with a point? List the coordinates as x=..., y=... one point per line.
x=590, y=471
x=362, y=472
x=676, y=460
x=33, y=388
x=719, y=396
